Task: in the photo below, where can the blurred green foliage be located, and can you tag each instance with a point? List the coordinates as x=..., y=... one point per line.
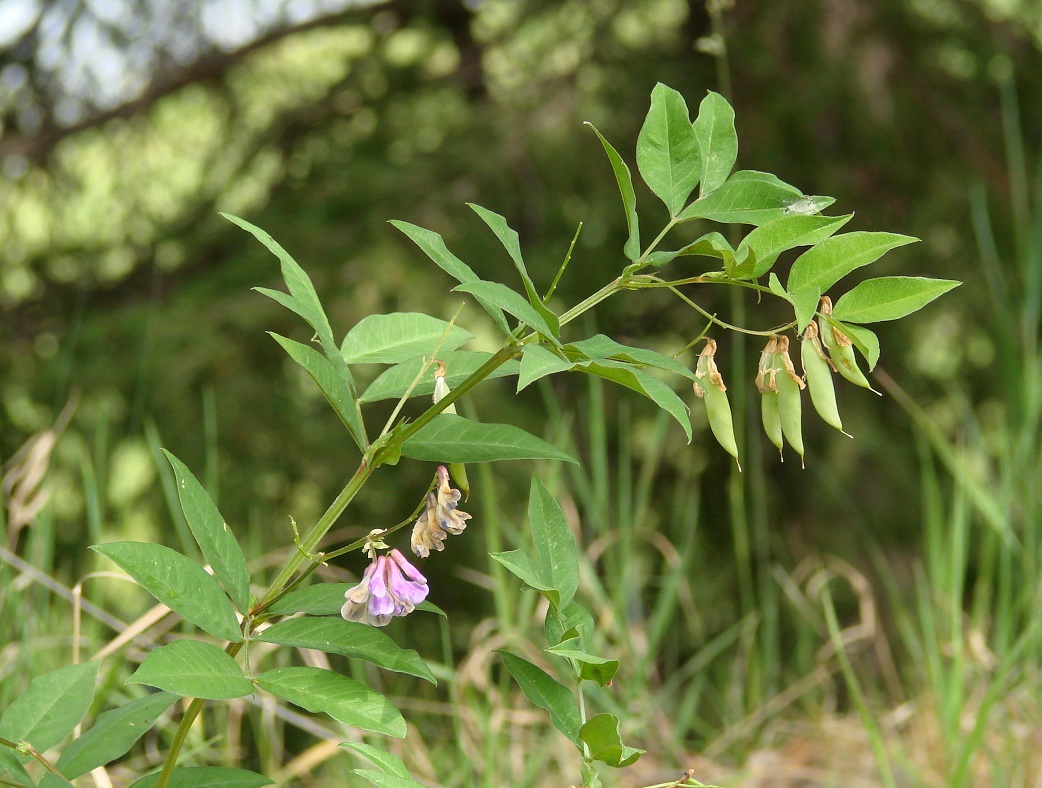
x=119, y=282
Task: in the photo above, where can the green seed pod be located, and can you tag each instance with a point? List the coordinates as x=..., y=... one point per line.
x=765, y=382
x=790, y=386
x=459, y=473
x=841, y=349
x=709, y=386
x=771, y=418
x=819, y=378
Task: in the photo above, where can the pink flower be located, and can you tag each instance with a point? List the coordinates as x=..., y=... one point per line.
x=391, y=586
x=439, y=519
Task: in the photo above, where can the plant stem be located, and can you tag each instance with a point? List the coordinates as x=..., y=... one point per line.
x=501, y=356
x=181, y=734
x=591, y=301
x=310, y=542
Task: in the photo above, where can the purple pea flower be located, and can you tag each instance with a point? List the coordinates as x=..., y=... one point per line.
x=391, y=586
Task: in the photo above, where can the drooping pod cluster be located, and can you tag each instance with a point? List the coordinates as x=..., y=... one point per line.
x=824, y=349
x=780, y=385
x=780, y=402
x=709, y=387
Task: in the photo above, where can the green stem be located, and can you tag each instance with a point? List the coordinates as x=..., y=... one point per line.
x=27, y=749
x=730, y=326
x=658, y=239
x=582, y=705
x=591, y=301
x=501, y=356
x=715, y=8
x=307, y=547
x=183, y=727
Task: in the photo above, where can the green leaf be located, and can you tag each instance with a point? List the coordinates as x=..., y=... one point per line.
x=194, y=669
x=207, y=777
x=399, y=336
x=321, y=599
x=659, y=259
x=600, y=346
x=643, y=383
x=547, y=693
x=667, y=149
x=743, y=201
x=285, y=299
x=349, y=639
x=301, y=290
x=212, y=534
x=592, y=668
x=512, y=243
x=554, y=541
x=711, y=245
x=450, y=438
x=113, y=734
x=433, y=245
x=385, y=780
x=388, y=762
x=12, y=770
x=786, y=232
x=889, y=298
x=177, y=582
x=538, y=362
x=343, y=699
x=459, y=365
x=601, y=734
x=513, y=304
x=805, y=303
x=864, y=340
x=764, y=177
x=429, y=607
x=629, y=197
x=809, y=205
x=572, y=617
x=833, y=258
x=51, y=707
x=717, y=140
x=333, y=386
x=52, y=780
x=534, y=574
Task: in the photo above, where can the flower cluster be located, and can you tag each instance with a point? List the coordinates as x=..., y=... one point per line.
x=391, y=586
x=439, y=519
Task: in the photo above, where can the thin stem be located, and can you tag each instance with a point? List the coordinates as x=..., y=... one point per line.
x=721, y=323
x=581, y=700
x=564, y=265
x=501, y=356
x=702, y=279
x=307, y=547
x=183, y=727
x=419, y=375
x=658, y=239
x=591, y=301
x=27, y=749
x=715, y=9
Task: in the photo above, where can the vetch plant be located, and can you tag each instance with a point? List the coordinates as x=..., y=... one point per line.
x=688, y=165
